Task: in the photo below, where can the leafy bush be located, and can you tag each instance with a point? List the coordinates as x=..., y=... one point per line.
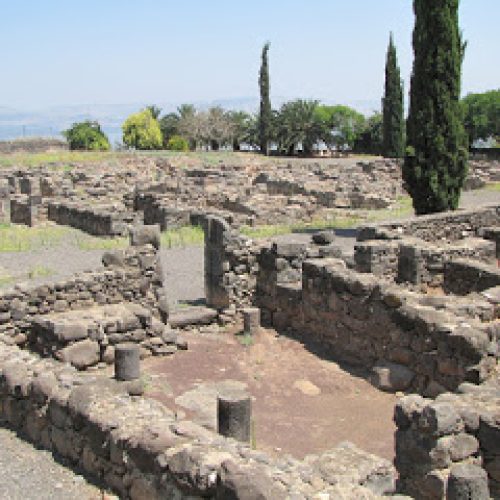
x=178, y=143
x=87, y=135
x=142, y=131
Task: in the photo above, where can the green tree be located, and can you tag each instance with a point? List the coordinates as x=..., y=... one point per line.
x=265, y=115
x=155, y=111
x=87, y=135
x=436, y=157
x=370, y=139
x=142, y=131
x=298, y=123
x=177, y=143
x=392, y=106
x=169, y=126
x=345, y=125
x=482, y=115
x=242, y=124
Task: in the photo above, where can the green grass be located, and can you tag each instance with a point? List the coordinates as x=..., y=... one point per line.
x=182, y=237
x=87, y=242
x=40, y=272
x=59, y=157
x=495, y=186
x=267, y=231
x=19, y=238
x=403, y=208
x=245, y=339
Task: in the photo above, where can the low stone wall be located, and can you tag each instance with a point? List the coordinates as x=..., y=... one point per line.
x=493, y=234
x=132, y=275
x=27, y=210
x=365, y=320
x=435, y=438
x=462, y=277
x=435, y=227
x=142, y=451
x=88, y=337
x=156, y=212
x=95, y=221
x=421, y=262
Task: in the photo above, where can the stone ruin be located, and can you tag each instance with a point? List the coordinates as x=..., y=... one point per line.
x=417, y=304
x=108, y=199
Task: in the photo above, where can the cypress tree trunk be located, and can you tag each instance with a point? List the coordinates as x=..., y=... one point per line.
x=393, y=121
x=265, y=116
x=436, y=160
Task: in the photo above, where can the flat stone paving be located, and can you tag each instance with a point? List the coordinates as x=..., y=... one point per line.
x=28, y=473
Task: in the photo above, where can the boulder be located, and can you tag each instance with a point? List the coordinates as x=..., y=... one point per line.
x=81, y=354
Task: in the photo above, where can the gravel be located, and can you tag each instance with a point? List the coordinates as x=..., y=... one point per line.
x=29, y=473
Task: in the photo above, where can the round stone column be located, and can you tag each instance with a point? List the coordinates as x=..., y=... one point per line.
x=234, y=414
x=251, y=320
x=127, y=361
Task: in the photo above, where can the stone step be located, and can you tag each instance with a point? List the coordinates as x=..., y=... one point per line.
x=196, y=315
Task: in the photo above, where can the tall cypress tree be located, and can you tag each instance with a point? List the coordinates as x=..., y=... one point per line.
x=436, y=159
x=392, y=106
x=265, y=116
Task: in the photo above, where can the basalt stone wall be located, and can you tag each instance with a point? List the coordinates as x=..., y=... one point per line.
x=4, y=202
x=365, y=320
x=377, y=257
x=28, y=210
x=432, y=228
x=420, y=262
x=435, y=437
x=132, y=275
x=98, y=222
x=230, y=265
x=462, y=277
x=141, y=450
x=493, y=234
x=279, y=280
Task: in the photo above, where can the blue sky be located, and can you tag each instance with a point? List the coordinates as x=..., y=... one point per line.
x=62, y=52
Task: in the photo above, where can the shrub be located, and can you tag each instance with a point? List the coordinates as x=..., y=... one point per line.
x=177, y=143
x=87, y=135
x=142, y=131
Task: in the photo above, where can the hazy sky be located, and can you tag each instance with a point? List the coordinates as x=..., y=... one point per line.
x=60, y=52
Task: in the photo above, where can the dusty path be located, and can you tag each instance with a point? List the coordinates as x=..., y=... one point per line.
x=27, y=473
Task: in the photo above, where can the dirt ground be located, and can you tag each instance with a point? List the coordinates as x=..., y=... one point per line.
x=302, y=404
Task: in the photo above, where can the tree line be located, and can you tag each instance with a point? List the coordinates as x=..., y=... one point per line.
x=433, y=140
x=297, y=127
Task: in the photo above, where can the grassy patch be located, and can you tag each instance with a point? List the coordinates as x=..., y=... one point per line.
x=39, y=272
x=402, y=208
x=495, y=186
x=245, y=339
x=19, y=238
x=268, y=231
x=87, y=242
x=182, y=237
x=59, y=157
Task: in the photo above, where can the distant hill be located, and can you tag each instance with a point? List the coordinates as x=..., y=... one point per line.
x=50, y=122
